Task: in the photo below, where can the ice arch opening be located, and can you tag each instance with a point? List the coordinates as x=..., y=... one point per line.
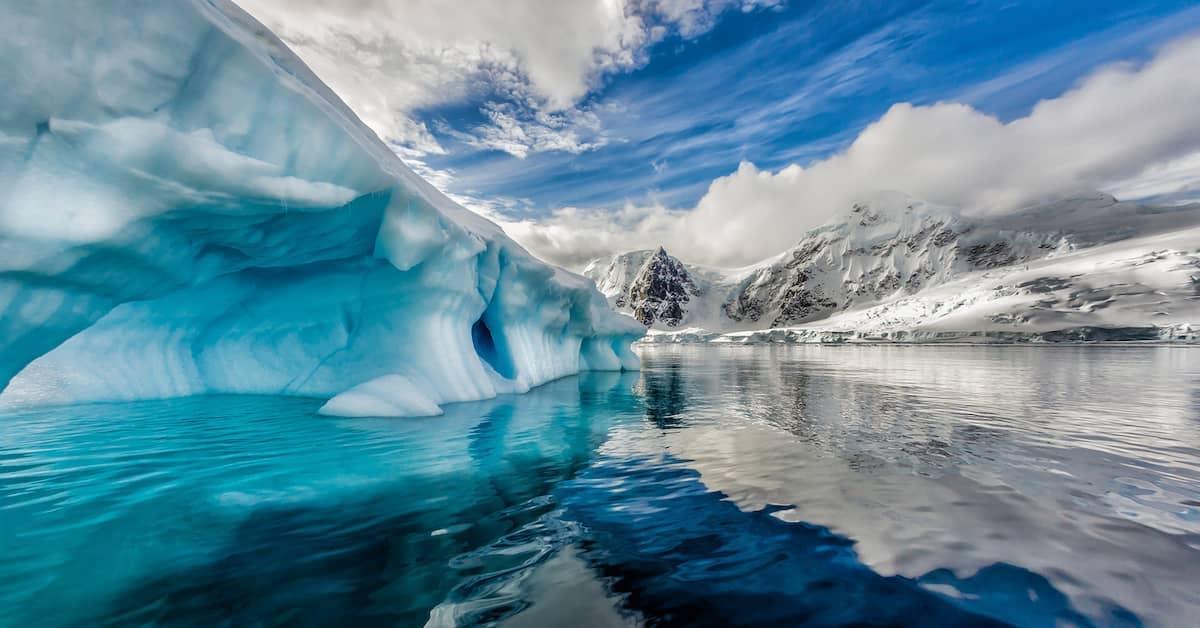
x=489, y=352
x=185, y=208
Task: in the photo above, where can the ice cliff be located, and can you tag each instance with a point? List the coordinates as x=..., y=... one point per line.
x=185, y=208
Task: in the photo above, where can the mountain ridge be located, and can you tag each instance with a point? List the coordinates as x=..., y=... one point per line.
x=852, y=274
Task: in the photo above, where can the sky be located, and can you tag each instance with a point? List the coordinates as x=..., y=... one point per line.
x=725, y=129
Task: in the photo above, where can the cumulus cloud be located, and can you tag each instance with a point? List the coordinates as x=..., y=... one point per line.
x=1125, y=128
x=389, y=58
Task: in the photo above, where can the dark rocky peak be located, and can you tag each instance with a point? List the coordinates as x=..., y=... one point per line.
x=661, y=289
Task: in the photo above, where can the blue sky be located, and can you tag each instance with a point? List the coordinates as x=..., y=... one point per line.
x=725, y=129
x=795, y=84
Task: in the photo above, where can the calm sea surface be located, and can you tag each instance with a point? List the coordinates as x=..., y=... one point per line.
x=1035, y=486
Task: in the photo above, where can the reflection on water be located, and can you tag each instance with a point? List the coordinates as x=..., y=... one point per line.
x=789, y=485
x=1078, y=464
x=255, y=509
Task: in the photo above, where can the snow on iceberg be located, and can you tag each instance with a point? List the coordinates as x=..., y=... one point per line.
x=185, y=208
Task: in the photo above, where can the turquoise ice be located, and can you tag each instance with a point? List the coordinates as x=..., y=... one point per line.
x=185, y=208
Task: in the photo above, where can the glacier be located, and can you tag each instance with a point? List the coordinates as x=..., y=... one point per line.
x=186, y=209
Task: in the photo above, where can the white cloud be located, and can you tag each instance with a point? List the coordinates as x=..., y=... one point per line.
x=573, y=236
x=389, y=58
x=1174, y=181
x=1124, y=128
x=519, y=131
x=697, y=16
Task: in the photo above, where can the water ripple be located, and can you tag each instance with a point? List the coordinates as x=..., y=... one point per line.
x=901, y=485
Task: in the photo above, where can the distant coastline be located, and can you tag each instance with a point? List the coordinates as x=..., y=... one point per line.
x=1175, y=335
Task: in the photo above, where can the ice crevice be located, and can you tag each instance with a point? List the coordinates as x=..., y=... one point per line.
x=186, y=209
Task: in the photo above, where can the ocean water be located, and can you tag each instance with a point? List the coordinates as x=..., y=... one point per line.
x=719, y=486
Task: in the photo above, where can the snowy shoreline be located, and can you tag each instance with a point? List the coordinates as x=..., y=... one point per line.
x=1174, y=335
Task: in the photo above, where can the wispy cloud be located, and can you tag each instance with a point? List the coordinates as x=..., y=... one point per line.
x=520, y=131
x=390, y=58
x=724, y=128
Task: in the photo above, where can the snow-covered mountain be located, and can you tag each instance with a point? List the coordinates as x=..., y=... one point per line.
x=896, y=268
x=653, y=286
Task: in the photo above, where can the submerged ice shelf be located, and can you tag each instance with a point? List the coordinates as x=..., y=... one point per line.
x=185, y=208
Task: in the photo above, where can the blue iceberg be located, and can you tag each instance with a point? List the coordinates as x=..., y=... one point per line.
x=186, y=209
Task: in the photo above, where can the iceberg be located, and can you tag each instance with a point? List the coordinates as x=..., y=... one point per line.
x=186, y=209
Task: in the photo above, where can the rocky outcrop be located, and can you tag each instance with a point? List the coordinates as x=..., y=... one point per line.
x=661, y=291
x=891, y=249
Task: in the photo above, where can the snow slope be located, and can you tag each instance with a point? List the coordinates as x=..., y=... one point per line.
x=895, y=269
x=185, y=208
x=662, y=292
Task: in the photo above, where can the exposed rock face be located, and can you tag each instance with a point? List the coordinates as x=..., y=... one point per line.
x=661, y=290
x=888, y=249
x=649, y=285
x=615, y=276
x=878, y=250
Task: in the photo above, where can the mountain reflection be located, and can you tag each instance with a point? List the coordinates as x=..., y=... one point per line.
x=719, y=486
